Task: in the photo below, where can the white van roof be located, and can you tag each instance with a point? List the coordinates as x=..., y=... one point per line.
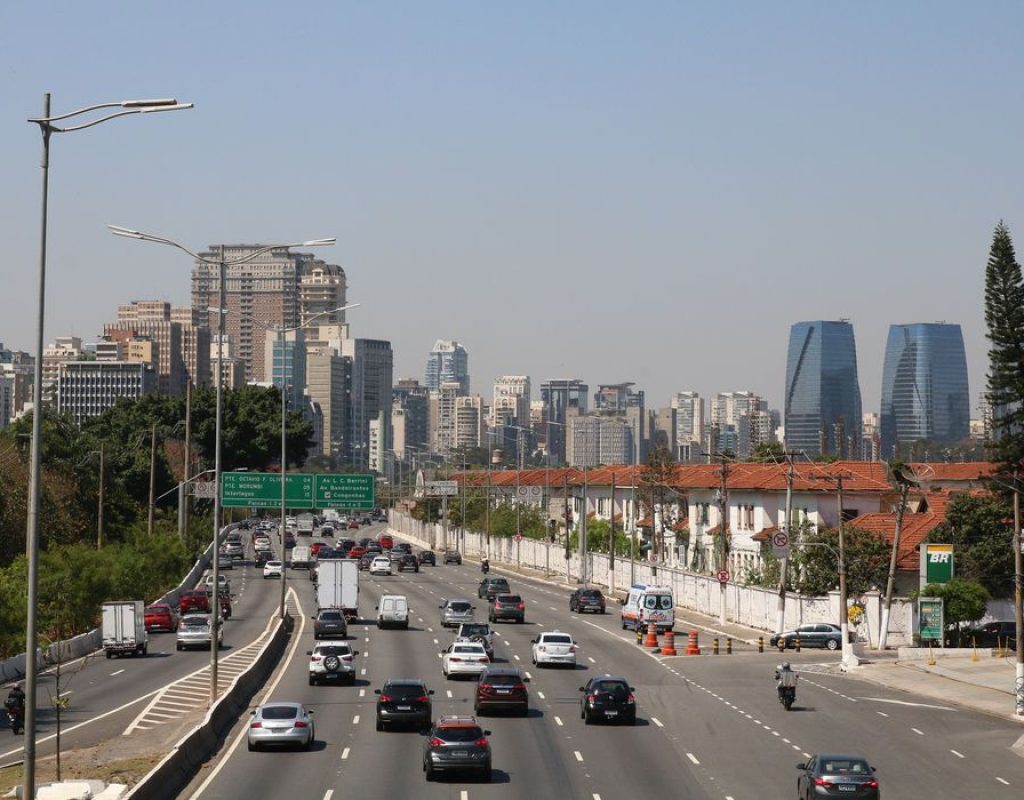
x=652, y=587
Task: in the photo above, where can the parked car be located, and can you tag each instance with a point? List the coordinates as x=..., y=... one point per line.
x=815, y=634
x=830, y=775
x=456, y=611
x=196, y=630
x=381, y=565
x=554, y=647
x=332, y=661
x=463, y=657
x=160, y=616
x=507, y=607
x=273, y=569
x=995, y=634
x=407, y=561
x=457, y=744
x=427, y=557
x=609, y=698
x=404, y=702
x=585, y=599
x=281, y=724
x=502, y=689
x=493, y=585
x=330, y=622
x=479, y=632
x=452, y=557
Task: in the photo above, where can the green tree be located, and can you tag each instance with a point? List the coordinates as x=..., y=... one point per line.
x=978, y=527
x=655, y=490
x=1004, y=316
x=817, y=561
x=963, y=602
x=769, y=452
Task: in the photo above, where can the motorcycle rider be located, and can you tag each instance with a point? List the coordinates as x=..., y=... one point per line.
x=15, y=706
x=785, y=678
x=485, y=566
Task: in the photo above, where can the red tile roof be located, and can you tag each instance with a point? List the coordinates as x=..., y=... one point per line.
x=916, y=526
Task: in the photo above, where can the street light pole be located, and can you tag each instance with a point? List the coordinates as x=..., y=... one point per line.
x=47, y=128
x=1018, y=595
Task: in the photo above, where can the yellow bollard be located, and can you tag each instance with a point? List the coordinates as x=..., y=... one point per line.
x=974, y=647
x=760, y=644
x=714, y=646
x=796, y=644
x=931, y=656
x=728, y=645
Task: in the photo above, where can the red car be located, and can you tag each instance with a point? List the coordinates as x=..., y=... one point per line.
x=386, y=541
x=225, y=602
x=315, y=548
x=194, y=601
x=161, y=617
x=357, y=552
x=502, y=688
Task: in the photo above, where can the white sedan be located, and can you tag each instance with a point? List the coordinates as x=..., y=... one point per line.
x=381, y=565
x=273, y=569
x=464, y=658
x=554, y=647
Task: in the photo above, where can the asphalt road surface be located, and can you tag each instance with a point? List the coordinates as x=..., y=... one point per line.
x=709, y=727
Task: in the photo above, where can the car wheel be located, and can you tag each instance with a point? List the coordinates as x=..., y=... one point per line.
x=310, y=741
x=586, y=718
x=429, y=770
x=485, y=776
x=312, y=681
x=831, y=644
x=252, y=747
x=380, y=724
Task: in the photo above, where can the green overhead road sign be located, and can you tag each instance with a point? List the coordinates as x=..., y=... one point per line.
x=263, y=490
x=345, y=491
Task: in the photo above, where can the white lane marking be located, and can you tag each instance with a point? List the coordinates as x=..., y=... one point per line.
x=597, y=796
x=553, y=608
x=344, y=754
x=329, y=794
x=1005, y=783
x=506, y=643
x=436, y=642
x=881, y=713
x=516, y=658
x=906, y=703
x=65, y=694
x=657, y=722
x=362, y=692
x=917, y=731
x=558, y=721
x=692, y=758
x=591, y=660
x=450, y=695
x=355, y=720
x=958, y=755
x=362, y=671
x=112, y=674
x=463, y=795
x=540, y=695
x=578, y=754
x=528, y=675
x=267, y=693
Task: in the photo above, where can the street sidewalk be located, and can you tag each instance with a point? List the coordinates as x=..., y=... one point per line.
x=985, y=685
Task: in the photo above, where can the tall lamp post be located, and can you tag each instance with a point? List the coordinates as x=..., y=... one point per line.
x=47, y=128
x=222, y=265
x=281, y=331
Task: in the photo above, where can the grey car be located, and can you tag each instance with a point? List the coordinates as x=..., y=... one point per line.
x=456, y=611
x=328, y=623
x=195, y=631
x=281, y=724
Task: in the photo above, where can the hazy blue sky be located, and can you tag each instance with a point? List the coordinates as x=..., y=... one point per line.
x=650, y=192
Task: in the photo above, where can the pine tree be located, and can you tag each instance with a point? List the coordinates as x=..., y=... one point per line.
x=1004, y=315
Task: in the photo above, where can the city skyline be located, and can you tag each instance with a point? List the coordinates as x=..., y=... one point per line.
x=817, y=193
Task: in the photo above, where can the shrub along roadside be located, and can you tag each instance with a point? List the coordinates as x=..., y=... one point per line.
x=75, y=580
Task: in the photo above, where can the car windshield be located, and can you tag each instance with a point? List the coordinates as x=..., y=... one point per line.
x=459, y=608
x=280, y=712
x=844, y=766
x=478, y=629
x=330, y=616
x=404, y=690
x=196, y=623
x=467, y=648
x=509, y=598
x=501, y=680
x=557, y=638
x=333, y=650
x=466, y=734
x=592, y=594
x=615, y=688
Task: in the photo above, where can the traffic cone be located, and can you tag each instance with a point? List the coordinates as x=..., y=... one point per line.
x=669, y=649
x=652, y=635
x=692, y=646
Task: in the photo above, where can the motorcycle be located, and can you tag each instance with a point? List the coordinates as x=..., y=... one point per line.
x=787, y=696
x=16, y=716
x=485, y=567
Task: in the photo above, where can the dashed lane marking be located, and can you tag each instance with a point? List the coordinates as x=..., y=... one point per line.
x=1004, y=782
x=344, y=754
x=918, y=731
x=578, y=754
x=558, y=721
x=355, y=720
x=657, y=722
x=112, y=674
x=450, y=695
x=693, y=758
x=329, y=794
x=541, y=695
x=958, y=754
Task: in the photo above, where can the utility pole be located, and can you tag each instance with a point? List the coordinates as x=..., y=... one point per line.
x=1018, y=605
x=99, y=510
x=904, y=489
x=565, y=521
x=723, y=500
x=583, y=531
x=152, y=480
x=186, y=472
x=611, y=543
x=780, y=607
x=849, y=659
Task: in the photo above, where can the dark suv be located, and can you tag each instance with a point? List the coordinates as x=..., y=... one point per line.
x=608, y=698
x=502, y=688
x=427, y=557
x=586, y=600
x=452, y=557
x=508, y=607
x=457, y=744
x=408, y=561
x=405, y=702
x=492, y=586
x=329, y=623
x=995, y=634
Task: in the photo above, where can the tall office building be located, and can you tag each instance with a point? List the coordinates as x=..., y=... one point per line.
x=329, y=386
x=195, y=345
x=409, y=417
x=59, y=351
x=372, y=378
x=511, y=400
x=266, y=292
x=595, y=439
x=925, y=395
x=286, y=362
x=469, y=421
x=690, y=434
x=151, y=319
x=448, y=362
x=86, y=389
x=442, y=420
x=559, y=396
x=823, y=408
x=743, y=419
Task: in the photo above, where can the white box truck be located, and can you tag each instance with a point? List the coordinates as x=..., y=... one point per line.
x=302, y=556
x=337, y=586
x=124, y=628
x=305, y=524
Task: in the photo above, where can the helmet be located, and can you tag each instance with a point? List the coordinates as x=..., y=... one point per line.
x=784, y=665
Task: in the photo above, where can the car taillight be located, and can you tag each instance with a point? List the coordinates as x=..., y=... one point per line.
x=630, y=698
x=572, y=648
x=543, y=648
x=520, y=687
x=385, y=698
x=301, y=724
x=872, y=784
x=455, y=658
x=822, y=781
x=422, y=699
x=486, y=687
x=591, y=697
x=256, y=725
x=522, y=606
x=435, y=742
x=315, y=659
x=482, y=742
x=346, y=658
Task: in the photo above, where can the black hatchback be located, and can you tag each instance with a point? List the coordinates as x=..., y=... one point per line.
x=833, y=775
x=607, y=698
x=491, y=586
x=428, y=557
x=404, y=702
x=457, y=744
x=587, y=600
x=407, y=561
x=329, y=623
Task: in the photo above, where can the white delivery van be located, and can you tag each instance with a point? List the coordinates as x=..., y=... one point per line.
x=302, y=556
x=647, y=603
x=337, y=586
x=393, y=611
x=124, y=628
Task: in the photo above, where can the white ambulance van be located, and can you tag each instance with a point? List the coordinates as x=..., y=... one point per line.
x=649, y=603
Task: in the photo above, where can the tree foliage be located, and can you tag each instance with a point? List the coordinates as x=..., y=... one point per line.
x=979, y=529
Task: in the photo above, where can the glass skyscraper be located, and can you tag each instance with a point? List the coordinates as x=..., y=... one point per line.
x=448, y=362
x=823, y=411
x=924, y=386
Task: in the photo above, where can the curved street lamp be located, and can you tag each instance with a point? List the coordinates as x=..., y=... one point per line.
x=222, y=265
x=47, y=128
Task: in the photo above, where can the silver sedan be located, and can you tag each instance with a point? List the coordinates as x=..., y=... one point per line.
x=281, y=723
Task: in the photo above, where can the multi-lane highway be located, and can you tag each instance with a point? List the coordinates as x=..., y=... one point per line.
x=107, y=697
x=710, y=727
